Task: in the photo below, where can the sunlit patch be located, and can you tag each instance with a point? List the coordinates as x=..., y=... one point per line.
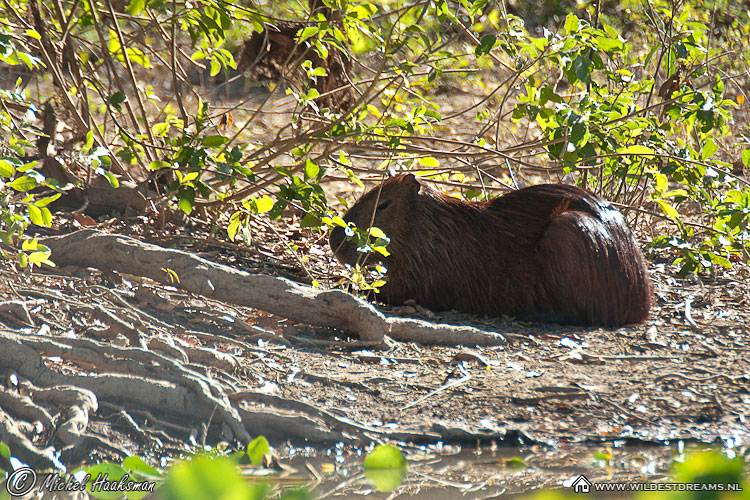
x=611, y=216
x=594, y=226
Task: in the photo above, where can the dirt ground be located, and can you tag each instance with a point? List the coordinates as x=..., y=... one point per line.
x=684, y=376
x=681, y=376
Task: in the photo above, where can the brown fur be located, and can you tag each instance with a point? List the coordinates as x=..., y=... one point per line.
x=273, y=54
x=551, y=252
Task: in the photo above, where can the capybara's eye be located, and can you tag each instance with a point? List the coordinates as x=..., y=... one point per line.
x=383, y=205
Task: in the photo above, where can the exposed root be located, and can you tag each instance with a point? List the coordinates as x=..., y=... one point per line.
x=302, y=304
x=165, y=378
x=23, y=447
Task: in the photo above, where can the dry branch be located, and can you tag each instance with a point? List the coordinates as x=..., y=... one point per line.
x=299, y=303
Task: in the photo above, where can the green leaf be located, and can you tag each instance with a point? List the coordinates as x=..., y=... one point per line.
x=637, y=150
x=737, y=196
x=609, y=44
x=30, y=244
x=710, y=466
x=385, y=457
x=6, y=169
x=668, y=209
x=675, y=193
x=311, y=169
x=234, y=226
x=309, y=221
x=572, y=23
x=43, y=202
x=578, y=134
x=256, y=449
x=89, y=142
x=213, y=141
x=4, y=450
x=307, y=33
x=39, y=257
x=23, y=183
x=204, y=478
x=23, y=56
x=381, y=250
x=161, y=129
x=746, y=157
x=718, y=259
x=661, y=181
x=433, y=114
x=709, y=148
x=582, y=68
x=188, y=178
x=215, y=67
x=187, y=199
x=137, y=56
x=112, y=178
x=515, y=463
x=429, y=162
x=136, y=6
x=113, y=473
x=33, y=34
x=28, y=166
x=136, y=465
x=376, y=232
x=158, y=164
x=485, y=45
x=116, y=99
x=361, y=11
x=46, y=216
x=385, y=467
x=264, y=204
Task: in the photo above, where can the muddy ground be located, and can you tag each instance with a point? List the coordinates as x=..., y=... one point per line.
x=684, y=376
x=677, y=377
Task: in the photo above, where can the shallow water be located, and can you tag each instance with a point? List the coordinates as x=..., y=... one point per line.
x=449, y=472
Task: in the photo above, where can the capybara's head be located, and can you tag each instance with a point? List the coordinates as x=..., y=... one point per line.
x=391, y=204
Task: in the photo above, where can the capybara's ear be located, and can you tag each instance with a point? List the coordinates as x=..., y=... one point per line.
x=411, y=181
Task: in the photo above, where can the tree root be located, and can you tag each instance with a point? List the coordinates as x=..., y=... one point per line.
x=23, y=448
x=302, y=304
x=15, y=312
x=55, y=384
x=159, y=383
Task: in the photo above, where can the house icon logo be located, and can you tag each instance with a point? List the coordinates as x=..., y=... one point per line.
x=581, y=484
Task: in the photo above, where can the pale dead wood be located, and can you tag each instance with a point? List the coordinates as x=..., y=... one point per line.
x=424, y=332
x=330, y=308
x=299, y=303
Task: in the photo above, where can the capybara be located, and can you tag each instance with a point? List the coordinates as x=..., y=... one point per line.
x=550, y=252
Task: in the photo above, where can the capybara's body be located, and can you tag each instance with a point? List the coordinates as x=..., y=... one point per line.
x=550, y=252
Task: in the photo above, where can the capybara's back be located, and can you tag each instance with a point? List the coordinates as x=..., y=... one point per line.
x=551, y=252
